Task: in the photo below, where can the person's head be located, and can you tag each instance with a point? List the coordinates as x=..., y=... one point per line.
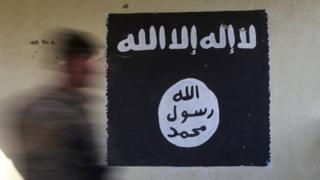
x=77, y=48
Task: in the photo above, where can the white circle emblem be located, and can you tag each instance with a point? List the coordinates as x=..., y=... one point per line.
x=188, y=113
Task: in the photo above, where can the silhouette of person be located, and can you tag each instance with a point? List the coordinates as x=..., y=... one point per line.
x=54, y=128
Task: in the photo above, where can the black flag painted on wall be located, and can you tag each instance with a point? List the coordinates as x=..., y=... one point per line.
x=188, y=89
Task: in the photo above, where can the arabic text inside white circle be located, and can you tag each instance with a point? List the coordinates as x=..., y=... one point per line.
x=188, y=113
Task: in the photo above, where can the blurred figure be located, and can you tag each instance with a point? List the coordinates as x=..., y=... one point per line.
x=54, y=129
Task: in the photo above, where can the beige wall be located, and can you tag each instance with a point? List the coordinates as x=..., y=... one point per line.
x=294, y=40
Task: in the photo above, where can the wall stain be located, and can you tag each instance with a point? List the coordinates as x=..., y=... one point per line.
x=125, y=6
x=43, y=41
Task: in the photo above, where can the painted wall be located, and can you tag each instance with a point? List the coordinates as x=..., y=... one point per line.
x=294, y=40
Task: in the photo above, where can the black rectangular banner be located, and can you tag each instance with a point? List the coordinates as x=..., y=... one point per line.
x=188, y=89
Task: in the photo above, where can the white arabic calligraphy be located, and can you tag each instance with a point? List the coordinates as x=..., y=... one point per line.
x=188, y=113
x=248, y=39
x=129, y=44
